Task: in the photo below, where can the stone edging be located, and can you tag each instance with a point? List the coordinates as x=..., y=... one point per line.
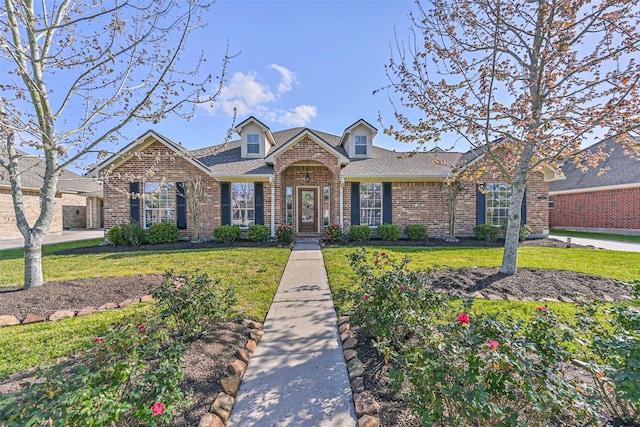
x=220, y=410
x=366, y=407
x=11, y=320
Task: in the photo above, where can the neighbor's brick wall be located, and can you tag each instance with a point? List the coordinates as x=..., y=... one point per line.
x=163, y=163
x=74, y=211
x=597, y=209
x=31, y=199
x=286, y=173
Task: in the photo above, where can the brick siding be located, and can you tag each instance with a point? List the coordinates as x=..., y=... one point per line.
x=31, y=199
x=618, y=209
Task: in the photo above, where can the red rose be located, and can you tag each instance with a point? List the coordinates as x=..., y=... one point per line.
x=463, y=318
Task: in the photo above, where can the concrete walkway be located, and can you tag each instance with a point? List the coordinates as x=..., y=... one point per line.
x=601, y=244
x=297, y=375
x=66, y=236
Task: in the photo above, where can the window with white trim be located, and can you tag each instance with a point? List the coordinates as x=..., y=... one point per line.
x=243, y=204
x=498, y=200
x=159, y=200
x=360, y=145
x=289, y=205
x=253, y=143
x=326, y=205
x=371, y=204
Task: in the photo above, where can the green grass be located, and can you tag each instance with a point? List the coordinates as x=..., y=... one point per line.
x=49, y=249
x=254, y=273
x=600, y=236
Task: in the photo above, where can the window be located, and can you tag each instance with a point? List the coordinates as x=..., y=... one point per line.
x=242, y=204
x=371, y=204
x=361, y=144
x=498, y=199
x=326, y=205
x=159, y=203
x=289, y=206
x=551, y=201
x=253, y=143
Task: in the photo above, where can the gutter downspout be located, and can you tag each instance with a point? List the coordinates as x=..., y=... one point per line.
x=273, y=207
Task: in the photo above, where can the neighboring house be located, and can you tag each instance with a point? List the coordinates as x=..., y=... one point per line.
x=603, y=197
x=78, y=199
x=306, y=178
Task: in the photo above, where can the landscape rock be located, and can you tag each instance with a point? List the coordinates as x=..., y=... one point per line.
x=369, y=421
x=342, y=320
x=365, y=404
x=8, y=320
x=210, y=420
x=494, y=297
x=238, y=367
x=357, y=385
x=108, y=306
x=244, y=355
x=222, y=406
x=32, y=318
x=564, y=298
x=344, y=327
x=61, y=314
x=251, y=346
x=87, y=310
x=607, y=298
x=145, y=298
x=345, y=335
x=231, y=384
x=355, y=368
x=256, y=334
x=478, y=295
x=350, y=344
x=252, y=324
x=350, y=354
x=128, y=302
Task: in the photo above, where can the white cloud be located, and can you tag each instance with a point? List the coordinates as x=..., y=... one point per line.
x=248, y=96
x=288, y=78
x=299, y=116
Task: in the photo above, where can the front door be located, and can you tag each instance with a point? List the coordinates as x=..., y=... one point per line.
x=307, y=210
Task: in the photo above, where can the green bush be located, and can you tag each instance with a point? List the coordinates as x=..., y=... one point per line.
x=484, y=231
x=284, y=233
x=194, y=302
x=359, y=233
x=131, y=376
x=226, y=233
x=257, y=233
x=415, y=232
x=389, y=232
x=163, y=232
x=524, y=232
x=127, y=235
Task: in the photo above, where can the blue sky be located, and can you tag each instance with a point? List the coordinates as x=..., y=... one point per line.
x=299, y=63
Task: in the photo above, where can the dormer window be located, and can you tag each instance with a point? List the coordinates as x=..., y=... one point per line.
x=361, y=145
x=253, y=143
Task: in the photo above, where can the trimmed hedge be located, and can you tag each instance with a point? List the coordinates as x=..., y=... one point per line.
x=257, y=233
x=127, y=235
x=226, y=233
x=359, y=233
x=389, y=232
x=484, y=231
x=164, y=232
x=415, y=232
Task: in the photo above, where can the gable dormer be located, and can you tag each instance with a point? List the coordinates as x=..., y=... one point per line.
x=357, y=140
x=256, y=139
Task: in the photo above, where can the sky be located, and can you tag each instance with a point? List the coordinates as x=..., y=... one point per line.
x=297, y=63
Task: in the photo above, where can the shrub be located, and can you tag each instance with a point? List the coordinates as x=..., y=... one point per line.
x=257, y=233
x=359, y=233
x=334, y=233
x=131, y=376
x=127, y=235
x=194, y=302
x=284, y=233
x=415, y=232
x=163, y=232
x=226, y=233
x=613, y=350
x=486, y=231
x=524, y=232
x=389, y=232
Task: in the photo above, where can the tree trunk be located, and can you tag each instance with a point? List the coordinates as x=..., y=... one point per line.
x=512, y=236
x=33, y=263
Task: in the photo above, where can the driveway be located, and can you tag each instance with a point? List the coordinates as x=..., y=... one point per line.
x=602, y=244
x=66, y=236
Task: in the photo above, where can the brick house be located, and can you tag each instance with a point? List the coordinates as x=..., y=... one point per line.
x=306, y=178
x=78, y=200
x=604, y=197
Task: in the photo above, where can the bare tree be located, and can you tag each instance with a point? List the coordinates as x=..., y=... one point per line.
x=194, y=189
x=451, y=190
x=524, y=83
x=74, y=73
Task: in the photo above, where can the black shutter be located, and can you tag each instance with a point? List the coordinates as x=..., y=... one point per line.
x=481, y=204
x=134, y=202
x=259, y=202
x=225, y=200
x=523, y=208
x=386, y=203
x=355, y=203
x=181, y=206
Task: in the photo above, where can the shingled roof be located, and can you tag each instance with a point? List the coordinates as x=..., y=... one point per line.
x=32, y=170
x=619, y=168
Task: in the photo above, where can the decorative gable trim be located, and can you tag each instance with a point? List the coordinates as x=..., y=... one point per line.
x=140, y=144
x=272, y=158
